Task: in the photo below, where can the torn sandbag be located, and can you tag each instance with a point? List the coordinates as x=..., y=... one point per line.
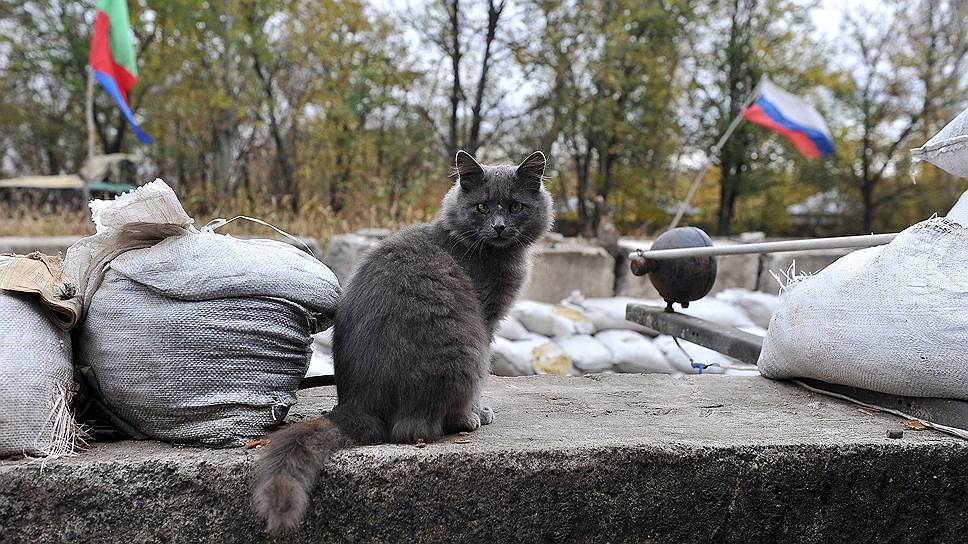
x=191, y=336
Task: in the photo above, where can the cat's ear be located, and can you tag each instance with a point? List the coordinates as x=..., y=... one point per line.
x=469, y=172
x=531, y=171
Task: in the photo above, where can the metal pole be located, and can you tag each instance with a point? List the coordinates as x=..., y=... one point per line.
x=90, y=130
x=712, y=153
x=839, y=242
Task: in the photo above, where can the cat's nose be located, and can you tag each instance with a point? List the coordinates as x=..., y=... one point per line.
x=498, y=229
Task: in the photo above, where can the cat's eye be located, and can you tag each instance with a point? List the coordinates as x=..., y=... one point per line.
x=515, y=207
x=483, y=208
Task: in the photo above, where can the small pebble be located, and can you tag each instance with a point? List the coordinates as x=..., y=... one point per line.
x=895, y=434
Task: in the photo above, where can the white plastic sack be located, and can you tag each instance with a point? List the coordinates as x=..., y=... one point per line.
x=549, y=320
x=948, y=149
x=324, y=340
x=35, y=380
x=889, y=319
x=959, y=212
x=758, y=306
x=535, y=354
x=138, y=219
x=321, y=362
x=609, y=313
x=718, y=311
x=633, y=352
x=586, y=353
x=198, y=337
x=511, y=329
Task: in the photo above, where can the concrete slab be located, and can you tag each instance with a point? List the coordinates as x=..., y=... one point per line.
x=602, y=458
x=48, y=245
x=345, y=251
x=561, y=268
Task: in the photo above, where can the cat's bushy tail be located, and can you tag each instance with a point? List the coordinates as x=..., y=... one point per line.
x=287, y=472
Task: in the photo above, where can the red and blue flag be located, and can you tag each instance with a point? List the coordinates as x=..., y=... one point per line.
x=112, y=57
x=789, y=116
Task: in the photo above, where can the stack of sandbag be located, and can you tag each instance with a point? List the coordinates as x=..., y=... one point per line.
x=534, y=354
x=758, y=306
x=192, y=336
x=37, y=308
x=589, y=335
x=889, y=318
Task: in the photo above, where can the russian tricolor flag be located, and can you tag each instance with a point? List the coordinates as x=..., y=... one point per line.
x=112, y=57
x=790, y=117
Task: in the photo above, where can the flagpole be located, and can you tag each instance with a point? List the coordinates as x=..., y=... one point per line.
x=90, y=130
x=712, y=154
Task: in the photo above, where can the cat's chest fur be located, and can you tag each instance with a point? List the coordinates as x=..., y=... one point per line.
x=497, y=276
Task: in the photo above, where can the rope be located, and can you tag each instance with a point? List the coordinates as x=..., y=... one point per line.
x=220, y=222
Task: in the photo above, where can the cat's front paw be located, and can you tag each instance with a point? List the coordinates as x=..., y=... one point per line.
x=463, y=423
x=487, y=415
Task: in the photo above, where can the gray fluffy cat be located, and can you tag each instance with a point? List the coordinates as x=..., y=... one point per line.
x=413, y=330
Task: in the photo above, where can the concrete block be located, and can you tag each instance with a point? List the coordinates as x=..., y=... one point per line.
x=561, y=268
x=602, y=458
x=346, y=250
x=48, y=245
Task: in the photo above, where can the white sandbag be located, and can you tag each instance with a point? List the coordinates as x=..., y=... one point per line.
x=511, y=358
x=198, y=337
x=948, y=149
x=533, y=355
x=321, y=363
x=324, y=340
x=959, y=212
x=633, y=352
x=549, y=320
x=586, y=353
x=609, y=313
x=717, y=311
x=35, y=380
x=511, y=329
x=889, y=319
x=758, y=306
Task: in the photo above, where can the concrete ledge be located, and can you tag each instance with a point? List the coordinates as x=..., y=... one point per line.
x=48, y=245
x=604, y=458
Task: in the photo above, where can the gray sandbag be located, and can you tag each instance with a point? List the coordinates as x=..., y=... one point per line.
x=35, y=380
x=192, y=336
x=204, y=337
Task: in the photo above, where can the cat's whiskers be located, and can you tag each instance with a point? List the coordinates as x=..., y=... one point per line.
x=464, y=236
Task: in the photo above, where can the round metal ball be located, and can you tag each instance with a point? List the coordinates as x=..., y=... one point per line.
x=685, y=279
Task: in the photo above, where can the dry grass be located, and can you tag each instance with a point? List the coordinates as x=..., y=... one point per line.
x=314, y=218
x=44, y=221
